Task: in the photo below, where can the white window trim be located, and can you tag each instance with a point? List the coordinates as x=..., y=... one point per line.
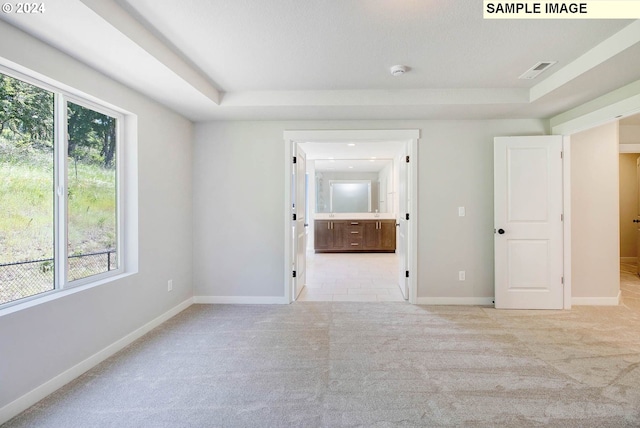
x=126, y=189
x=61, y=242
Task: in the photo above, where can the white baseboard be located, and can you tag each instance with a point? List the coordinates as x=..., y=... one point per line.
x=32, y=397
x=628, y=259
x=468, y=301
x=242, y=300
x=596, y=301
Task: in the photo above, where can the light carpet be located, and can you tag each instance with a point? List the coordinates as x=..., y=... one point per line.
x=334, y=364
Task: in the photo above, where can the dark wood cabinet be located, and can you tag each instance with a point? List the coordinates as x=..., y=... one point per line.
x=380, y=235
x=371, y=235
x=329, y=235
x=388, y=235
x=322, y=235
x=339, y=227
x=354, y=235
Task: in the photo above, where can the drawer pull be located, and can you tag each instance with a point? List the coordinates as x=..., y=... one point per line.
x=355, y=232
x=354, y=244
x=354, y=222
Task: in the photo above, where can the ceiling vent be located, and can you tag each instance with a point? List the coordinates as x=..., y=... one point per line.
x=534, y=71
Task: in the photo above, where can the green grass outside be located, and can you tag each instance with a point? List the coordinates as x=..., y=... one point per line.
x=26, y=205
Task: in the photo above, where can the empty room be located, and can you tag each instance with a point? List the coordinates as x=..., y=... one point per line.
x=372, y=213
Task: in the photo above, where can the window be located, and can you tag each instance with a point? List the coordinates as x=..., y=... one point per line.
x=59, y=190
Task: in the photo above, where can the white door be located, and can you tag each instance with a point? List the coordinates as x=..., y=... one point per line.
x=528, y=223
x=300, y=231
x=403, y=229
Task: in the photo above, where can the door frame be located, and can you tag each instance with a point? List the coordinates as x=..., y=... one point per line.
x=410, y=136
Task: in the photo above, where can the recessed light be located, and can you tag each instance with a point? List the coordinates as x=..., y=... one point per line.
x=350, y=167
x=351, y=144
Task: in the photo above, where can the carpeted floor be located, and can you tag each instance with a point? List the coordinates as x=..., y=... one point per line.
x=332, y=364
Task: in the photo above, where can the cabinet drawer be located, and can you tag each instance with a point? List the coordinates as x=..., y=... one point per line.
x=355, y=230
x=355, y=243
x=354, y=237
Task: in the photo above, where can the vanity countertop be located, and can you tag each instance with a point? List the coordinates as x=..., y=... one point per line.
x=354, y=216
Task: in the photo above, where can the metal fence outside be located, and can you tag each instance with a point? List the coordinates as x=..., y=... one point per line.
x=24, y=279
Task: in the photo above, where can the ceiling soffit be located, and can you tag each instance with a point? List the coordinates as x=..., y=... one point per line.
x=250, y=62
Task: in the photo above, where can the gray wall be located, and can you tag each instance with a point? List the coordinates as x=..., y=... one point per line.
x=238, y=166
x=41, y=342
x=595, y=212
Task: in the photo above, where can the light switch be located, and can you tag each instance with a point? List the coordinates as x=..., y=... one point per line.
x=461, y=212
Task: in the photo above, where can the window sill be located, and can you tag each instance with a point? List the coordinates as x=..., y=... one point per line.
x=55, y=295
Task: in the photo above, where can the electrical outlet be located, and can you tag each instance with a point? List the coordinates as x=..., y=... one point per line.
x=170, y=285
x=461, y=212
x=461, y=275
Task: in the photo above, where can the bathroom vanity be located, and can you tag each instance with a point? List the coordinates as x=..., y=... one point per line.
x=340, y=235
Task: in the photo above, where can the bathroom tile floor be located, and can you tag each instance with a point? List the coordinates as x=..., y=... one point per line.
x=351, y=277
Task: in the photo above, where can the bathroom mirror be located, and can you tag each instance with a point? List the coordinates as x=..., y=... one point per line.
x=350, y=196
x=353, y=186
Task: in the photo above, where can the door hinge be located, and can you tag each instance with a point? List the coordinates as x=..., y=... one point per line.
x=294, y=273
x=407, y=217
x=561, y=217
x=294, y=217
x=406, y=274
x=294, y=159
x=562, y=280
x=407, y=159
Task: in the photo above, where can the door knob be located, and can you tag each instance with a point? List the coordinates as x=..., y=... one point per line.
x=501, y=231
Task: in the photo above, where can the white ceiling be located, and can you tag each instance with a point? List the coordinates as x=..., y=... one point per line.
x=352, y=150
x=357, y=165
x=369, y=156
x=306, y=59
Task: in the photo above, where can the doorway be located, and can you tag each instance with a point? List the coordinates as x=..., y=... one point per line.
x=629, y=170
x=568, y=124
x=323, y=140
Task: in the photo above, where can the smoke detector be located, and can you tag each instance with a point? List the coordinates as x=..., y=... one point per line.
x=399, y=70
